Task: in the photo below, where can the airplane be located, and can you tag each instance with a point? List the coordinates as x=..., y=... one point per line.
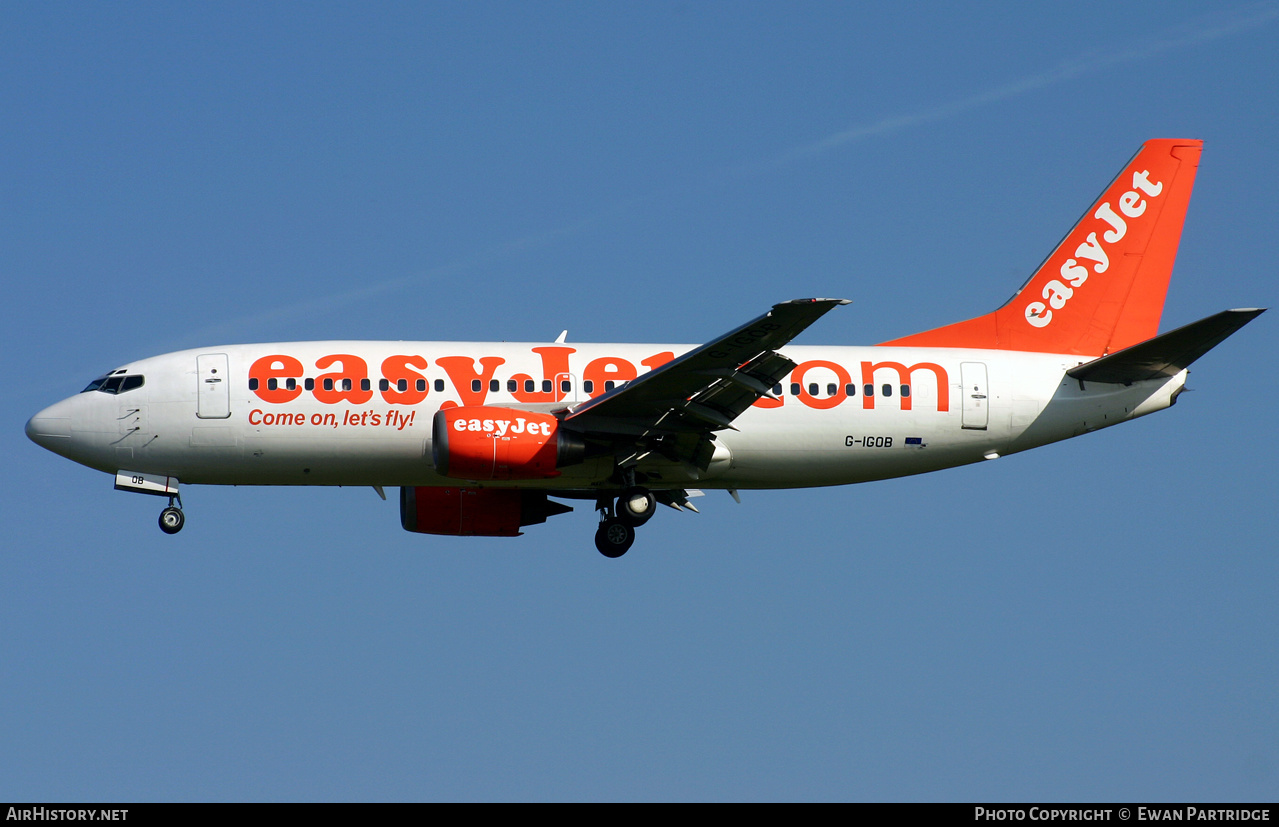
x=508, y=431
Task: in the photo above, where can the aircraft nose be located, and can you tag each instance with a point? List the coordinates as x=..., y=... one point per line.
x=51, y=428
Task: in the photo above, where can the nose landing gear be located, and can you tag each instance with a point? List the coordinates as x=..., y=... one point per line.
x=172, y=519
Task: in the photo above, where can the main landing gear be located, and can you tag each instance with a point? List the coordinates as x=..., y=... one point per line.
x=172, y=519
x=618, y=520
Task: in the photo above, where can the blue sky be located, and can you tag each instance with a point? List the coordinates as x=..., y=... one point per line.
x=1094, y=620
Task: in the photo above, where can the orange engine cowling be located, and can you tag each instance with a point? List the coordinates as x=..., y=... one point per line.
x=501, y=444
x=474, y=512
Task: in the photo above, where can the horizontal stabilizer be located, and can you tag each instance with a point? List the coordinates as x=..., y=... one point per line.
x=1166, y=355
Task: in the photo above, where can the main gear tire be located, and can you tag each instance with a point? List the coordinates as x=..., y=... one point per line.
x=614, y=537
x=636, y=506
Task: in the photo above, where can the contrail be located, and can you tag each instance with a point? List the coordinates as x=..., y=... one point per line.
x=334, y=301
x=1184, y=35
x=1178, y=37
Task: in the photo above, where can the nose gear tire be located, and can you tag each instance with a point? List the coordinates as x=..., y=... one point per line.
x=171, y=520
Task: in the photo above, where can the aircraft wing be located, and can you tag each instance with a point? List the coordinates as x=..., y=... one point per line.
x=681, y=402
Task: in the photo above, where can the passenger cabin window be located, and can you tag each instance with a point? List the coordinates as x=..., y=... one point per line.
x=609, y=384
x=253, y=384
x=794, y=389
x=850, y=389
x=528, y=385
x=328, y=384
x=512, y=386
x=868, y=390
x=588, y=386
x=475, y=386
x=439, y=385
x=812, y=388
x=383, y=385
x=888, y=390
x=832, y=389
x=309, y=384
x=546, y=386
x=364, y=385
x=905, y=390
x=494, y=386
x=420, y=385
x=565, y=386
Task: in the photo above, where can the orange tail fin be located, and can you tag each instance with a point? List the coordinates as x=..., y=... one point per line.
x=1103, y=288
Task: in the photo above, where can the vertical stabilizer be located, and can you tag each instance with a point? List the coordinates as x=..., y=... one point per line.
x=1102, y=289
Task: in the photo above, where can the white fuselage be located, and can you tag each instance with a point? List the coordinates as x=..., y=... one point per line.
x=360, y=413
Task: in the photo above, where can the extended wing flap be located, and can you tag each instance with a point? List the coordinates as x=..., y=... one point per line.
x=733, y=390
x=710, y=386
x=1167, y=354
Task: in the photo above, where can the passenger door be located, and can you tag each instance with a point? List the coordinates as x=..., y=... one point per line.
x=976, y=406
x=214, y=400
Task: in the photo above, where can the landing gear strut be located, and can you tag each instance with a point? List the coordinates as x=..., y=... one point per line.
x=172, y=519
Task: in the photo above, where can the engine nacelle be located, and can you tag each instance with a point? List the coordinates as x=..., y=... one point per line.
x=477, y=512
x=501, y=444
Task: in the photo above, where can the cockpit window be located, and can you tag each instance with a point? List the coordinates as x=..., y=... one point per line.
x=116, y=382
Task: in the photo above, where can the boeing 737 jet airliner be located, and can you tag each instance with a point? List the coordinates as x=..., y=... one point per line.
x=508, y=430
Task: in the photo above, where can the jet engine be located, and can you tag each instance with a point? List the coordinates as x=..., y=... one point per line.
x=481, y=443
